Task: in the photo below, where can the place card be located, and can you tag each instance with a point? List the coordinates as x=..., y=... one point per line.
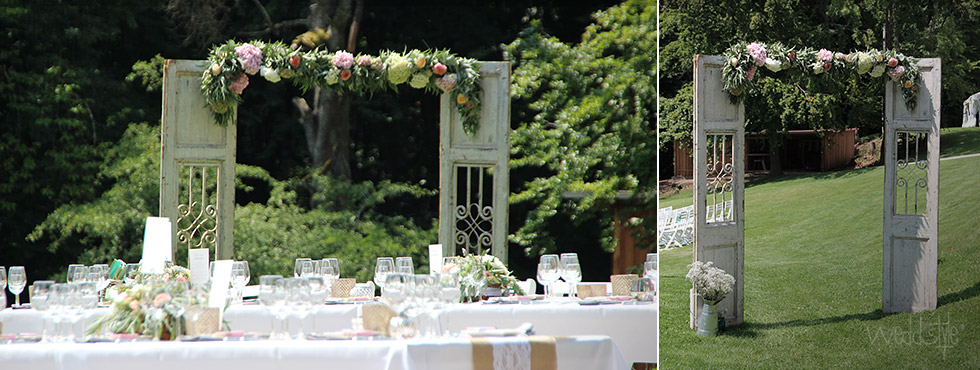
x=435, y=258
x=219, y=283
x=157, y=247
x=199, y=259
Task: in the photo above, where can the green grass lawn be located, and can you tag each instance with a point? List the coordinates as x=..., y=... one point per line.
x=813, y=277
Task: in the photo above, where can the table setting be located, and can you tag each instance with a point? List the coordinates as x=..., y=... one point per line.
x=472, y=300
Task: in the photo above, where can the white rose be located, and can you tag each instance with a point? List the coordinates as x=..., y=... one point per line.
x=773, y=65
x=269, y=74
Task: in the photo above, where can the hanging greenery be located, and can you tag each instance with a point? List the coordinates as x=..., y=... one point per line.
x=745, y=60
x=438, y=72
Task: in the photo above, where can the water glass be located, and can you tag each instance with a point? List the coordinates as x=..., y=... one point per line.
x=548, y=272
x=76, y=273
x=384, y=266
x=300, y=266
x=39, y=302
x=16, y=281
x=404, y=265
x=131, y=272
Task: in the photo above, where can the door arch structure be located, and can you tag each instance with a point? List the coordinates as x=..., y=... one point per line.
x=911, y=189
x=197, y=168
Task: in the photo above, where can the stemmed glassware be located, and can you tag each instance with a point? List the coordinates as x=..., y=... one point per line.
x=299, y=268
x=3, y=286
x=571, y=271
x=76, y=273
x=384, y=266
x=16, y=281
x=404, y=265
x=131, y=272
x=240, y=276
x=267, y=297
x=299, y=299
x=39, y=302
x=548, y=272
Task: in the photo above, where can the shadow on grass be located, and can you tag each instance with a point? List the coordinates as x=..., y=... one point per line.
x=964, y=294
x=830, y=175
x=751, y=329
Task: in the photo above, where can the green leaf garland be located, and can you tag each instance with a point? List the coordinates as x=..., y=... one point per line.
x=746, y=60
x=436, y=72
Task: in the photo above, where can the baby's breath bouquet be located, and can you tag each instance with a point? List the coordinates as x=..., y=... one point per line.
x=710, y=282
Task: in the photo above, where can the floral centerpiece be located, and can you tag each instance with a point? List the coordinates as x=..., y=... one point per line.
x=495, y=272
x=149, y=305
x=710, y=282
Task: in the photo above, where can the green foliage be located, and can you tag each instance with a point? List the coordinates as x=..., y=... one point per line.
x=149, y=73
x=920, y=29
x=589, y=127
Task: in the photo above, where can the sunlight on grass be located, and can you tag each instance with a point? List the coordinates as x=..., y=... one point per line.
x=813, y=265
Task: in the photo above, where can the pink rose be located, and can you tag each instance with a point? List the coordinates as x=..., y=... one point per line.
x=343, y=60
x=161, y=298
x=446, y=83
x=758, y=53
x=364, y=60
x=825, y=55
x=751, y=73
x=439, y=69
x=892, y=62
x=181, y=278
x=133, y=305
x=240, y=84
x=250, y=56
x=896, y=73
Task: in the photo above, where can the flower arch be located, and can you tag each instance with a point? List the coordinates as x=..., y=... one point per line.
x=746, y=59
x=439, y=72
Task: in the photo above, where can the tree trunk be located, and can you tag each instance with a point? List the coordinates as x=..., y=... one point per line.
x=775, y=154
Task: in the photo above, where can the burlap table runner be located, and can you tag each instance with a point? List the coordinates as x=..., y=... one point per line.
x=515, y=353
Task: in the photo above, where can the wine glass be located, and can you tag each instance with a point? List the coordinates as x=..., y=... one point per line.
x=16, y=281
x=39, y=302
x=239, y=277
x=267, y=291
x=298, y=266
x=571, y=276
x=305, y=268
x=404, y=265
x=76, y=273
x=131, y=272
x=384, y=266
x=3, y=285
x=548, y=272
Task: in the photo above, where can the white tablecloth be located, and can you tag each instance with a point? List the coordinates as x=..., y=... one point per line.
x=633, y=327
x=585, y=353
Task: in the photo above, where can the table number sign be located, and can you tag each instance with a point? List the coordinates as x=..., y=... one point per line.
x=157, y=247
x=219, y=283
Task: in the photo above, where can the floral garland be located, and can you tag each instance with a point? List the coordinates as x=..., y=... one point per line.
x=744, y=60
x=438, y=71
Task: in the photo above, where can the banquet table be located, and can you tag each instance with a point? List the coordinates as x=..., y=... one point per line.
x=571, y=353
x=632, y=327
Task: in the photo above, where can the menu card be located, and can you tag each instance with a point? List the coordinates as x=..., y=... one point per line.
x=157, y=247
x=199, y=259
x=435, y=258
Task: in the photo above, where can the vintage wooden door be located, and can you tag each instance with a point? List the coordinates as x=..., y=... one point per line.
x=911, y=195
x=719, y=151
x=197, y=166
x=474, y=172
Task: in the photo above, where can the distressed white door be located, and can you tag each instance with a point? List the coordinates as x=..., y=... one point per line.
x=911, y=194
x=474, y=172
x=197, y=166
x=719, y=152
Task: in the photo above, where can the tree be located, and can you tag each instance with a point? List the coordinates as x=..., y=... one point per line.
x=588, y=127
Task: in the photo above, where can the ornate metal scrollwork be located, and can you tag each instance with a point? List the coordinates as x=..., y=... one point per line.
x=720, y=179
x=197, y=224
x=473, y=229
x=911, y=172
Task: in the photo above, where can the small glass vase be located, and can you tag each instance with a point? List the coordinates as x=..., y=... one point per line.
x=708, y=321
